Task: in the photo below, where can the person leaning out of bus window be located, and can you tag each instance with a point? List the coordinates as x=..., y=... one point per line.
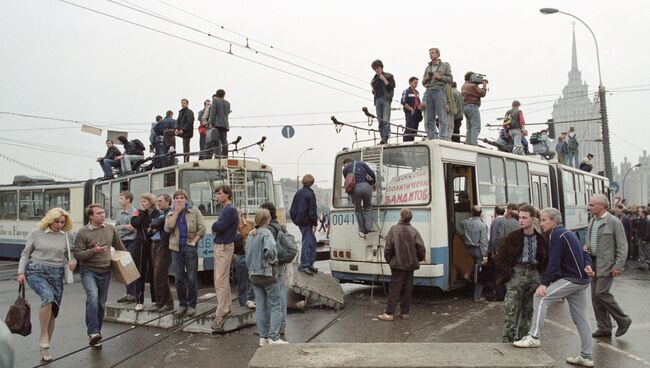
x=141, y=222
x=41, y=265
x=362, y=193
x=186, y=226
x=404, y=251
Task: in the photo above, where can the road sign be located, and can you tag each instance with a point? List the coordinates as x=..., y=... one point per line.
x=288, y=131
x=614, y=186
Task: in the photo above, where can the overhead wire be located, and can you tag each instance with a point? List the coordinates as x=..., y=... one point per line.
x=34, y=168
x=211, y=48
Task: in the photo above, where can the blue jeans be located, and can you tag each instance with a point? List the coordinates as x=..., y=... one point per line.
x=434, y=102
x=133, y=247
x=382, y=107
x=126, y=161
x=202, y=156
x=268, y=311
x=308, y=250
x=473, y=117
x=362, y=199
x=96, y=287
x=107, y=166
x=572, y=158
x=158, y=161
x=517, y=145
x=244, y=288
x=282, y=284
x=186, y=264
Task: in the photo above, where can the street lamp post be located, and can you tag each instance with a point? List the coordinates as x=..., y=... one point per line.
x=298, y=166
x=625, y=177
x=601, y=96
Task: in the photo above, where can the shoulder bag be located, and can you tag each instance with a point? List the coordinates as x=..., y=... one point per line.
x=18, y=317
x=351, y=179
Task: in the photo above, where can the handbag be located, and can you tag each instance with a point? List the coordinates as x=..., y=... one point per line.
x=68, y=275
x=18, y=317
x=350, y=179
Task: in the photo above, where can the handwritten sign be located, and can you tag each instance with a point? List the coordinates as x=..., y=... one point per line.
x=408, y=188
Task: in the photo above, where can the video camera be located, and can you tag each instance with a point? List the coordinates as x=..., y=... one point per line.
x=477, y=78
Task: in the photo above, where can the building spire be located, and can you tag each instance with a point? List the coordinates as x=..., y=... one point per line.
x=574, y=53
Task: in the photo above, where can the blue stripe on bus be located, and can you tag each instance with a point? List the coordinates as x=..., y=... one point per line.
x=365, y=278
x=441, y=256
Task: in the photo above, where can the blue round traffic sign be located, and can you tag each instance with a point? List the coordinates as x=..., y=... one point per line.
x=288, y=131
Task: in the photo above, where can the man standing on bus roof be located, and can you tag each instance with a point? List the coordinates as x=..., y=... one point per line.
x=92, y=249
x=567, y=276
x=185, y=127
x=521, y=259
x=203, y=127
x=219, y=121
x=607, y=244
x=411, y=103
x=516, y=127
x=436, y=75
x=225, y=231
x=304, y=214
x=166, y=128
x=472, y=92
x=475, y=235
x=383, y=88
x=127, y=236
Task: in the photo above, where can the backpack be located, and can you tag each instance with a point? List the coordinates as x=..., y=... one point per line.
x=139, y=144
x=286, y=245
x=573, y=143
x=534, y=138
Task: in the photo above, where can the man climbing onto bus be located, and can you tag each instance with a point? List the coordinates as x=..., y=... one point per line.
x=362, y=193
x=521, y=259
x=304, y=214
x=475, y=235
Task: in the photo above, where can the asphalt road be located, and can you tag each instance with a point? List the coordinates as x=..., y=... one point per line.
x=435, y=317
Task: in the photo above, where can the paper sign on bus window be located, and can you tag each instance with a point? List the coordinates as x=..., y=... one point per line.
x=409, y=188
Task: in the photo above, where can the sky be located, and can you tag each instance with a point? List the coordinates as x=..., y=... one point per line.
x=306, y=61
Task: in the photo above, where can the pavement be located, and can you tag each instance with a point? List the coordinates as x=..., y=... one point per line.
x=435, y=318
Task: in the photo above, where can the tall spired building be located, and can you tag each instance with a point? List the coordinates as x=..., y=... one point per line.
x=573, y=108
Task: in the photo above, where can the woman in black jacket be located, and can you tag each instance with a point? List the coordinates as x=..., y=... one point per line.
x=141, y=221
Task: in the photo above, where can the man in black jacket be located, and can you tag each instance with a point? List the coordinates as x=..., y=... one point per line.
x=108, y=161
x=304, y=214
x=133, y=152
x=185, y=127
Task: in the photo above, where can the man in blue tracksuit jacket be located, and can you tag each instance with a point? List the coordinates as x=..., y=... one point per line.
x=567, y=275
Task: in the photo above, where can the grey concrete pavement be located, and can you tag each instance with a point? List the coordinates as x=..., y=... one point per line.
x=435, y=317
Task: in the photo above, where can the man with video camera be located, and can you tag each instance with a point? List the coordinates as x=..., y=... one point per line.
x=474, y=88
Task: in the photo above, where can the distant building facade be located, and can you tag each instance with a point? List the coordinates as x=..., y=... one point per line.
x=573, y=108
x=637, y=182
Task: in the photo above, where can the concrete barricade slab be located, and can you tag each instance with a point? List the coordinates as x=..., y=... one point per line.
x=126, y=313
x=399, y=355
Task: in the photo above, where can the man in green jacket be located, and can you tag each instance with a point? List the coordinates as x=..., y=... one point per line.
x=608, y=246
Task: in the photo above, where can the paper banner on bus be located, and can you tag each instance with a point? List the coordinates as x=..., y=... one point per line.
x=409, y=188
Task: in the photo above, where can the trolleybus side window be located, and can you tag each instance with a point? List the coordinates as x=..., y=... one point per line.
x=405, y=172
x=57, y=198
x=163, y=183
x=492, y=186
x=580, y=190
x=545, y=192
x=137, y=187
x=569, y=188
x=118, y=187
x=517, y=181
x=536, y=195
x=31, y=204
x=8, y=205
x=103, y=195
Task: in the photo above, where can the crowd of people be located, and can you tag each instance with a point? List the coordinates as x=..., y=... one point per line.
x=536, y=262
x=213, y=130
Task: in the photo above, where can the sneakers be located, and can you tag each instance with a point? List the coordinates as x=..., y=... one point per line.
x=190, y=312
x=94, y=339
x=527, y=342
x=277, y=342
x=580, y=360
x=250, y=304
x=263, y=342
x=180, y=312
x=139, y=307
x=386, y=317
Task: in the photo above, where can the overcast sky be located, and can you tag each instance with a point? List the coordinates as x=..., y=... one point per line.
x=65, y=62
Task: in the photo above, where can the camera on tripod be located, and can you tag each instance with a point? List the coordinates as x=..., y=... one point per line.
x=477, y=78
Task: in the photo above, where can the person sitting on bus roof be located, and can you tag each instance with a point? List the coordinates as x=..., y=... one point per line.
x=365, y=179
x=585, y=164
x=541, y=144
x=133, y=152
x=108, y=161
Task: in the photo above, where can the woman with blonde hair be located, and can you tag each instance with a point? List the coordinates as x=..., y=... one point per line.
x=262, y=259
x=42, y=266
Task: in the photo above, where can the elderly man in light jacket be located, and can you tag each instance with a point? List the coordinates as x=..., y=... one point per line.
x=608, y=246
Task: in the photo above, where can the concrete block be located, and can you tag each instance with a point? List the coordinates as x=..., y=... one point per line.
x=399, y=355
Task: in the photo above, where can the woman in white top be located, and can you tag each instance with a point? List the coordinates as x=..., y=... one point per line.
x=42, y=266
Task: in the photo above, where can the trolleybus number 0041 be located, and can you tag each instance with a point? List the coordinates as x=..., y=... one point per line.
x=347, y=219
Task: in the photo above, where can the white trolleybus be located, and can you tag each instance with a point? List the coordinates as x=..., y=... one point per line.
x=427, y=177
x=23, y=203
